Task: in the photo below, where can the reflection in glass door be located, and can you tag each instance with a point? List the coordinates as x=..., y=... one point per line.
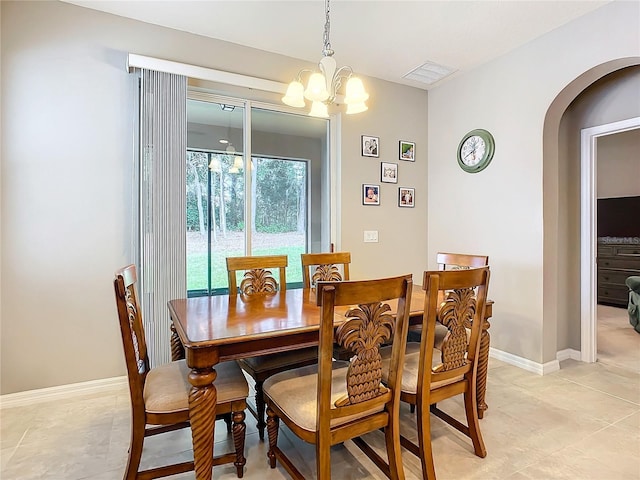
x=286, y=186
x=215, y=193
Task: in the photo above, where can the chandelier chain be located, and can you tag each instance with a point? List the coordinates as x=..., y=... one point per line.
x=327, y=51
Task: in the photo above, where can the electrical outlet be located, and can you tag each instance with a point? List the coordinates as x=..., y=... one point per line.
x=370, y=236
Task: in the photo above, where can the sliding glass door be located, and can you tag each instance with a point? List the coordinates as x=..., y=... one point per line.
x=275, y=203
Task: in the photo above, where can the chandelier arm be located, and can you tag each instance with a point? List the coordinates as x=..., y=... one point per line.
x=302, y=72
x=344, y=72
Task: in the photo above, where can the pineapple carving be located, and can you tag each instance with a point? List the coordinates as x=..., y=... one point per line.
x=326, y=273
x=258, y=280
x=368, y=327
x=456, y=314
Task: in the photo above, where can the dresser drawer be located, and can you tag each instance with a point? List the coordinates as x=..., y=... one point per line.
x=606, y=250
x=621, y=262
x=612, y=277
x=628, y=250
x=613, y=294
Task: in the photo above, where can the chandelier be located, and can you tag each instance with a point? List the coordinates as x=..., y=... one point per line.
x=322, y=87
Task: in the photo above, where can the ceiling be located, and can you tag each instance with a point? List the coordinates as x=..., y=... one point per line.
x=383, y=39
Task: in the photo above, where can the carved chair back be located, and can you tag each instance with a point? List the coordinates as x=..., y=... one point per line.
x=328, y=267
x=258, y=278
x=461, y=312
x=132, y=330
x=460, y=261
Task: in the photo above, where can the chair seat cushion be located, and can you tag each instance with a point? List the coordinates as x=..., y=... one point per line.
x=295, y=393
x=166, y=389
x=410, y=369
x=415, y=332
x=279, y=361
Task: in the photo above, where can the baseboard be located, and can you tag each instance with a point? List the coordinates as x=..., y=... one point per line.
x=525, y=363
x=30, y=397
x=569, y=353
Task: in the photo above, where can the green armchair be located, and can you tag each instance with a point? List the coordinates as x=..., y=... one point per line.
x=634, y=302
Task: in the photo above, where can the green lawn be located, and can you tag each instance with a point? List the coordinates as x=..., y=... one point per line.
x=197, y=266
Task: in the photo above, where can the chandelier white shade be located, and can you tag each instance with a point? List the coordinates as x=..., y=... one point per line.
x=322, y=86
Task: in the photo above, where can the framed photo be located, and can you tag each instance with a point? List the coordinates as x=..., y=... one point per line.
x=407, y=151
x=370, y=146
x=389, y=172
x=370, y=194
x=406, y=197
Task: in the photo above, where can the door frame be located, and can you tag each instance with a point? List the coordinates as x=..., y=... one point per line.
x=588, y=231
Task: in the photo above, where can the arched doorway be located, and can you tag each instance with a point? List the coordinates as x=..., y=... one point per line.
x=564, y=306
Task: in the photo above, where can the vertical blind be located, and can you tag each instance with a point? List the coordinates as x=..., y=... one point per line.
x=163, y=146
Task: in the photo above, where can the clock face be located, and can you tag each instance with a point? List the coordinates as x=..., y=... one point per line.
x=473, y=150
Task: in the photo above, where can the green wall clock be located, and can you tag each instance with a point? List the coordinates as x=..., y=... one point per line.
x=476, y=151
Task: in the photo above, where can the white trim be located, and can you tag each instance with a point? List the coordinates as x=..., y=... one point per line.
x=31, y=397
x=202, y=73
x=588, y=222
x=335, y=127
x=247, y=160
x=568, y=353
x=524, y=363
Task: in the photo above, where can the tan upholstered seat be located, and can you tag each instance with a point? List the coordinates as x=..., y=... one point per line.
x=457, y=299
x=167, y=387
x=160, y=395
x=337, y=401
x=295, y=393
x=258, y=278
x=411, y=366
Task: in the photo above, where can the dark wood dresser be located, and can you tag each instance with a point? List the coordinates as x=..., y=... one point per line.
x=618, y=258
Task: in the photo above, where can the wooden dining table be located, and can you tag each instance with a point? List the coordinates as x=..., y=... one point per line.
x=209, y=330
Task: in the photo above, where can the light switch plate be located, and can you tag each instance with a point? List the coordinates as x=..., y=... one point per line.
x=370, y=236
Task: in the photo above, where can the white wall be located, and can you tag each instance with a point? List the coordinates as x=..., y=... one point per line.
x=66, y=196
x=499, y=211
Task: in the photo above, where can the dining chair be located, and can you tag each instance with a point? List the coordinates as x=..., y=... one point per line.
x=160, y=395
x=258, y=278
x=432, y=374
x=335, y=401
x=331, y=266
x=453, y=261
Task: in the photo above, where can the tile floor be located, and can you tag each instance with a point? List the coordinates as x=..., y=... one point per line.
x=618, y=342
x=582, y=422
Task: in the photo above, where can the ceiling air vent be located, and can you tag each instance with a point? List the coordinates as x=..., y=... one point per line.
x=429, y=73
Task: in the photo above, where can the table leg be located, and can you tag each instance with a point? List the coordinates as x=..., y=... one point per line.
x=203, y=398
x=483, y=368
